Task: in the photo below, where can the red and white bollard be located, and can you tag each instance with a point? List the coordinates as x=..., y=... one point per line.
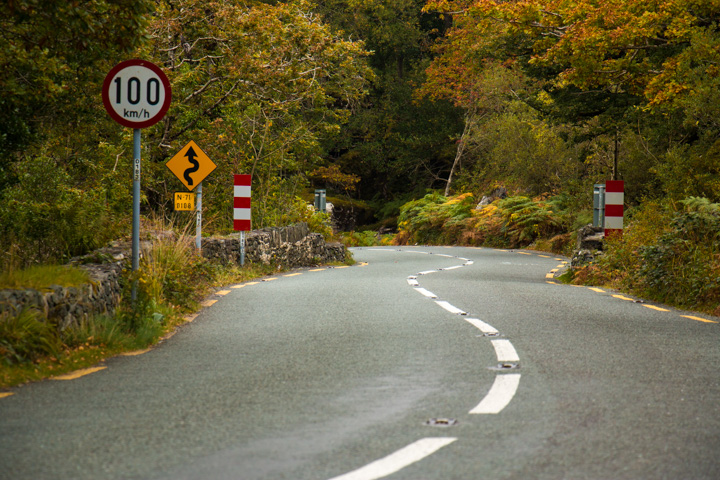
x=614, y=207
x=241, y=203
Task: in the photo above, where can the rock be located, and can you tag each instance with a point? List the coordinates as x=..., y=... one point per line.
x=590, y=242
x=498, y=193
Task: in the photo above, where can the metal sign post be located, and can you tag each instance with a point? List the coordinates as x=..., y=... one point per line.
x=136, y=211
x=136, y=94
x=242, y=248
x=198, y=221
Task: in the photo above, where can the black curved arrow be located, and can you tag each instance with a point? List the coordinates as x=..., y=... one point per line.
x=196, y=165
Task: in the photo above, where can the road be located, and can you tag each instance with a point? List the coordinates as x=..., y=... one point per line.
x=421, y=363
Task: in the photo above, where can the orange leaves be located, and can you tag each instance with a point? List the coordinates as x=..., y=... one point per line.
x=631, y=45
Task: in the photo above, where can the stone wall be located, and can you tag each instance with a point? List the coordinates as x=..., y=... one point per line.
x=70, y=305
x=291, y=247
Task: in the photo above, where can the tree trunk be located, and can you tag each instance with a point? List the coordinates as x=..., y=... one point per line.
x=460, y=149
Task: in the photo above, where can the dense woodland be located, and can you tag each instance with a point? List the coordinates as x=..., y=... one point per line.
x=382, y=102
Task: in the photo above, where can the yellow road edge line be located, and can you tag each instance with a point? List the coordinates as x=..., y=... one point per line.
x=544, y=256
x=190, y=318
x=238, y=286
x=562, y=265
x=270, y=279
x=6, y=394
x=252, y=283
x=363, y=264
x=524, y=253
x=552, y=283
x=317, y=270
x=656, y=308
x=549, y=275
x=222, y=292
x=208, y=303
x=623, y=298
x=699, y=319
x=135, y=353
x=598, y=290
x=292, y=275
x=78, y=373
x=554, y=270
x=343, y=266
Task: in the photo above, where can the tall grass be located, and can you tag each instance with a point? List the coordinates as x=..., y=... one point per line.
x=27, y=337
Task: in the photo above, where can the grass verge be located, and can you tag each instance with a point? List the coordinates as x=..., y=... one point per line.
x=172, y=281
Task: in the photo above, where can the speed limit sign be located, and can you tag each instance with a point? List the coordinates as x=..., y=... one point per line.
x=136, y=93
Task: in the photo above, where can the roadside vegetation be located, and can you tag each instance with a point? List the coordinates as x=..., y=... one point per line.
x=172, y=281
x=669, y=253
x=406, y=112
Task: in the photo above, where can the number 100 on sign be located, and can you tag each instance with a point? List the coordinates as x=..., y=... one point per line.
x=136, y=93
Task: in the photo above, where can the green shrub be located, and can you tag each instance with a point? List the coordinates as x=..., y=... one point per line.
x=682, y=266
x=27, y=337
x=512, y=222
x=367, y=238
x=668, y=252
x=435, y=219
x=526, y=220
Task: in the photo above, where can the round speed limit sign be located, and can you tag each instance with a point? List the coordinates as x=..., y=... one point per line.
x=136, y=93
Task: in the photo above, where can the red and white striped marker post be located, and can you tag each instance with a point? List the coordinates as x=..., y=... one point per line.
x=241, y=209
x=614, y=207
x=241, y=204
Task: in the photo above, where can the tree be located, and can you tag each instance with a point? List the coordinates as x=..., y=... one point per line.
x=606, y=67
x=46, y=47
x=258, y=86
x=398, y=144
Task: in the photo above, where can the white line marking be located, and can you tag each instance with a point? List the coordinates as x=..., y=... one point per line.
x=427, y=271
x=484, y=327
x=443, y=255
x=412, y=282
x=397, y=461
x=453, y=267
x=500, y=394
x=449, y=308
x=505, y=351
x=469, y=262
x=427, y=293
x=415, y=251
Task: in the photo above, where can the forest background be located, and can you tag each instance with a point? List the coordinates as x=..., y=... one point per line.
x=406, y=111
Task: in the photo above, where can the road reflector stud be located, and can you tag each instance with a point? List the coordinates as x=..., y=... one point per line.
x=505, y=366
x=441, y=422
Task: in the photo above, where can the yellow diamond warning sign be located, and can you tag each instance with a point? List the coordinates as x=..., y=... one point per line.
x=191, y=165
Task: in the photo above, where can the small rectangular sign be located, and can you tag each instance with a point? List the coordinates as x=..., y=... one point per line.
x=184, y=201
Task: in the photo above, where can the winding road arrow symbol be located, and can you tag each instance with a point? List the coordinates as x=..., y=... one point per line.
x=190, y=155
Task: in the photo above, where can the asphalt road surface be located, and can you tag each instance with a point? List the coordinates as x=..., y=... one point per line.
x=422, y=363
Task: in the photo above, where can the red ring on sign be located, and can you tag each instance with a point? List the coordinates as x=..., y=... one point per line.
x=106, y=93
